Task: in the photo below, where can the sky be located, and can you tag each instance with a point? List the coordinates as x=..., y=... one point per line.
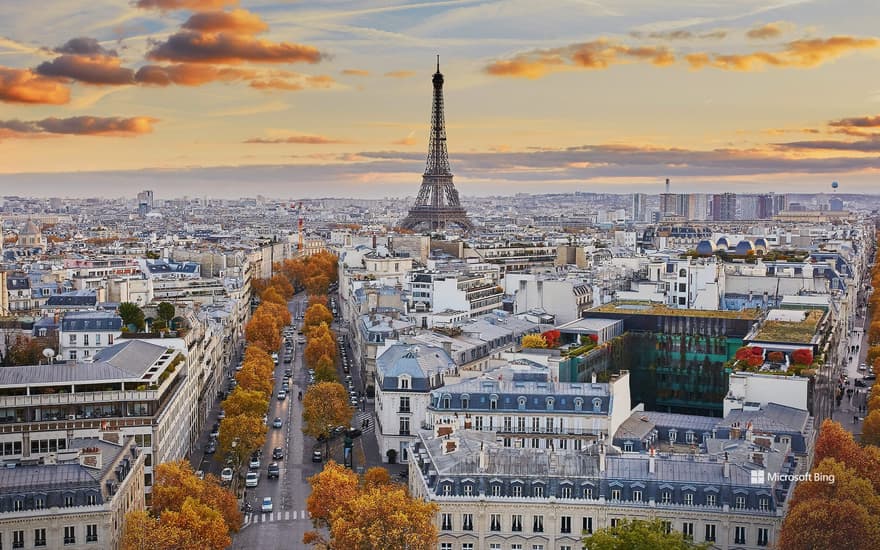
x=306, y=99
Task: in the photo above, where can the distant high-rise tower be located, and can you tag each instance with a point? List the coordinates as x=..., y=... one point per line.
x=640, y=207
x=145, y=202
x=724, y=207
x=437, y=205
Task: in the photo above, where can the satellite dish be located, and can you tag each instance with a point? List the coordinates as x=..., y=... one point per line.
x=49, y=353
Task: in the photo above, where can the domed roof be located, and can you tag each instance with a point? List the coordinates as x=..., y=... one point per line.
x=722, y=243
x=30, y=228
x=744, y=246
x=761, y=241
x=705, y=248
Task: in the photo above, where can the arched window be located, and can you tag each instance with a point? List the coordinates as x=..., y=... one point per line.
x=521, y=402
x=578, y=404
x=682, y=273
x=549, y=403
x=597, y=405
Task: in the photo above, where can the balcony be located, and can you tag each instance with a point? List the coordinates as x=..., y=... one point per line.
x=85, y=398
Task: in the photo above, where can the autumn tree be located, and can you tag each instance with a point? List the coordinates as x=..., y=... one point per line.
x=262, y=331
x=377, y=477
x=319, y=344
x=176, y=481
x=283, y=285
x=317, y=284
x=195, y=527
x=248, y=431
x=255, y=377
x=552, y=338
x=315, y=315
x=332, y=487
x=639, y=535
x=259, y=357
x=243, y=401
x=318, y=299
x=871, y=427
x=838, y=524
x=325, y=406
x=279, y=313
x=271, y=295
x=325, y=369
x=533, y=341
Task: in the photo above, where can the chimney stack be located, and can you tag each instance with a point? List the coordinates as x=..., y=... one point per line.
x=652, y=467
x=667, y=185
x=594, y=377
x=484, y=459
x=601, y=457
x=726, y=467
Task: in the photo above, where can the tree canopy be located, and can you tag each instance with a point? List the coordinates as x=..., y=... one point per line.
x=639, y=535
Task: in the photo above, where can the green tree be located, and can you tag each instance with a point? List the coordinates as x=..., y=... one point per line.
x=639, y=535
x=132, y=315
x=166, y=312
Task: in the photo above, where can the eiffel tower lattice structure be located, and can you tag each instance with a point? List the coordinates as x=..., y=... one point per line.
x=437, y=206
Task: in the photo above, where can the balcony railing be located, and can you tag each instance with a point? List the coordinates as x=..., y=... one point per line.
x=84, y=398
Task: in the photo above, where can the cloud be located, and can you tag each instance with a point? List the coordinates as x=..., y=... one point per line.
x=408, y=140
x=24, y=86
x=235, y=21
x=355, y=72
x=681, y=34
x=291, y=81
x=299, y=139
x=80, y=125
x=400, y=74
x=764, y=32
x=858, y=122
x=190, y=74
x=195, y=5
x=805, y=53
x=90, y=69
x=871, y=145
x=277, y=84
x=597, y=54
x=196, y=47
x=84, y=46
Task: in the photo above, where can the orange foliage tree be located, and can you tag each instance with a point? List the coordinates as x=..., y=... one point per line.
x=315, y=315
x=176, y=481
x=262, y=331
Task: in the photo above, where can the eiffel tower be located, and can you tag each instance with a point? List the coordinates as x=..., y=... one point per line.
x=437, y=205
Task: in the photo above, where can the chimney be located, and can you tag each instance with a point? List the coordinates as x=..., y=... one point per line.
x=484, y=459
x=601, y=457
x=749, y=436
x=594, y=377
x=652, y=467
x=726, y=467
x=90, y=457
x=667, y=185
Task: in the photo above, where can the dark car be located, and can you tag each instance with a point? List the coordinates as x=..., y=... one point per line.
x=211, y=447
x=273, y=471
x=278, y=453
x=860, y=383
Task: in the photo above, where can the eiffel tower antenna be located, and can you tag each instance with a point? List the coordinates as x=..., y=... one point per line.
x=437, y=204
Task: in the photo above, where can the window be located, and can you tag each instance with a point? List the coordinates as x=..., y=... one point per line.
x=18, y=539
x=682, y=287
x=446, y=401
x=739, y=535
x=92, y=532
x=447, y=489
x=615, y=522
x=763, y=536
x=467, y=546
x=109, y=339
x=404, y=425
x=445, y=546
x=91, y=500
x=615, y=494
x=710, y=532
x=493, y=402
x=68, y=501
x=516, y=522
x=636, y=495
x=521, y=424
x=478, y=423
x=494, y=546
x=711, y=500
x=404, y=405
x=763, y=504
x=85, y=339
x=446, y=522
x=496, y=490
x=536, y=443
x=740, y=502
x=588, y=492
x=39, y=503
x=666, y=497
x=538, y=524
x=549, y=403
x=689, y=437
x=516, y=547
x=507, y=423
x=587, y=525
x=565, y=524
x=465, y=401
x=495, y=522
x=467, y=522
x=689, y=499
x=521, y=403
x=18, y=505
x=628, y=447
x=39, y=537
x=97, y=339
x=536, y=424
x=70, y=534
x=687, y=529
x=673, y=435
x=538, y=491
x=467, y=490
x=537, y=547
x=597, y=405
x=565, y=492
x=71, y=339
x=72, y=354
x=667, y=526
x=516, y=491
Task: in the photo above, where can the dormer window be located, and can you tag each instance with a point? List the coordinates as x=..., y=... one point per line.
x=521, y=403
x=673, y=434
x=493, y=402
x=403, y=383
x=597, y=405
x=447, y=402
x=465, y=401
x=578, y=404
x=549, y=403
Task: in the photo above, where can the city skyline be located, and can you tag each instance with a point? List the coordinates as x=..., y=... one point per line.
x=199, y=96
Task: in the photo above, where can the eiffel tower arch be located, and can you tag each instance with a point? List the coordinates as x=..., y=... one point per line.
x=437, y=205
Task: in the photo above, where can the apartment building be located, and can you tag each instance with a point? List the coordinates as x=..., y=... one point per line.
x=82, y=334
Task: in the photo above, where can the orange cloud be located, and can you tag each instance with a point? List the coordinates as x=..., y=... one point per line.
x=299, y=139
x=400, y=74
x=91, y=69
x=195, y=5
x=355, y=72
x=277, y=84
x=235, y=21
x=799, y=53
x=597, y=54
x=764, y=32
x=189, y=74
x=80, y=125
x=24, y=86
x=859, y=122
x=408, y=140
x=680, y=34
x=223, y=47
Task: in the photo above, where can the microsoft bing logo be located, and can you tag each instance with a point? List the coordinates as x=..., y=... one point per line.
x=758, y=477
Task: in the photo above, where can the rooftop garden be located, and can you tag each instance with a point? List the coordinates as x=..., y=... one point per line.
x=796, y=332
x=800, y=362
x=649, y=308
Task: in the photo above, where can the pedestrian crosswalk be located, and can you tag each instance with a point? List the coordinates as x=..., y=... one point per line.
x=270, y=517
x=363, y=421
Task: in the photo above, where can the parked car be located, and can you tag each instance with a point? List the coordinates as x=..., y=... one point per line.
x=317, y=456
x=282, y=395
x=267, y=504
x=226, y=475
x=211, y=447
x=252, y=479
x=278, y=453
x=277, y=422
x=274, y=471
x=215, y=430
x=254, y=463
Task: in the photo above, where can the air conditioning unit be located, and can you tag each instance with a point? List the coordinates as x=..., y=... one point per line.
x=71, y=417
